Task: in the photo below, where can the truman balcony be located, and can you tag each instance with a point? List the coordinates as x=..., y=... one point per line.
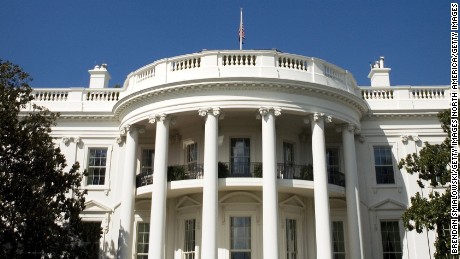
x=239, y=155
x=241, y=170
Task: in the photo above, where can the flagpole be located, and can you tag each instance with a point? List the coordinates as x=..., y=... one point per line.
x=241, y=28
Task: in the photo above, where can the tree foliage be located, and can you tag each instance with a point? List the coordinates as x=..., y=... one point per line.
x=432, y=165
x=40, y=202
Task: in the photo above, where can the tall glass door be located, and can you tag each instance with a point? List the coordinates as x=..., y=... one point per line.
x=240, y=158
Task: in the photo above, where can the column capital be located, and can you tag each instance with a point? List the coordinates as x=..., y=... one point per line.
x=350, y=127
x=130, y=128
x=157, y=117
x=119, y=140
x=273, y=110
x=66, y=140
x=124, y=129
x=319, y=115
x=216, y=111
x=404, y=138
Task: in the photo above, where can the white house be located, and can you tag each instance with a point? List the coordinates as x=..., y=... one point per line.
x=248, y=154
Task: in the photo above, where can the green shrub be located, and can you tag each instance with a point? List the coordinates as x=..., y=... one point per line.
x=222, y=170
x=176, y=172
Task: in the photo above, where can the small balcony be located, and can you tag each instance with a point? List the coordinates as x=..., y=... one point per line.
x=240, y=170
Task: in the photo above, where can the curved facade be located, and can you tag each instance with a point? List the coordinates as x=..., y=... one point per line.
x=247, y=154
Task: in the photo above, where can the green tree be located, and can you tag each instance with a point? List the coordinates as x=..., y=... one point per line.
x=40, y=203
x=432, y=165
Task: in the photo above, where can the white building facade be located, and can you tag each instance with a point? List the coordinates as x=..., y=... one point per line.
x=246, y=155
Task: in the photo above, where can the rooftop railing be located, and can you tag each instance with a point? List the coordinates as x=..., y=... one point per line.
x=208, y=65
x=406, y=97
x=241, y=63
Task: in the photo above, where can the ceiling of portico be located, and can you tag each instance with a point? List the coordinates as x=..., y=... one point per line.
x=233, y=119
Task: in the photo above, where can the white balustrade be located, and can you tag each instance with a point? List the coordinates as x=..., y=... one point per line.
x=292, y=62
x=50, y=95
x=187, y=63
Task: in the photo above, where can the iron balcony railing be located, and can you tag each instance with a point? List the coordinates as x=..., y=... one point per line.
x=175, y=173
x=240, y=169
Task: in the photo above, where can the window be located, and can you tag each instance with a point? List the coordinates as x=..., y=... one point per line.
x=192, y=153
x=332, y=160
x=291, y=239
x=384, y=165
x=391, y=241
x=90, y=239
x=189, y=239
x=240, y=157
x=143, y=240
x=288, y=156
x=288, y=153
x=338, y=241
x=333, y=167
x=240, y=238
x=147, y=161
x=97, y=162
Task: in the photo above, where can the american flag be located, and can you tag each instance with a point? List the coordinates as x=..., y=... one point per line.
x=241, y=35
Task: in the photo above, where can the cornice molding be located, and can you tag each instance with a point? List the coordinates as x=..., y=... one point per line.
x=285, y=86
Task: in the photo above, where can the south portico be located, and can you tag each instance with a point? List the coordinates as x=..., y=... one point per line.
x=269, y=216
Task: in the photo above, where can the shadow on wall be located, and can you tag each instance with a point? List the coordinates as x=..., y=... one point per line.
x=122, y=242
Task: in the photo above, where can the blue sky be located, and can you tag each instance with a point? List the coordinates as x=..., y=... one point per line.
x=58, y=41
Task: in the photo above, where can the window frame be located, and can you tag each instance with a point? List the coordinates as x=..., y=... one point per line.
x=252, y=234
x=184, y=237
x=295, y=212
x=393, y=163
x=106, y=185
x=141, y=158
x=400, y=232
x=136, y=241
x=344, y=237
x=339, y=158
x=249, y=156
x=296, y=240
x=186, y=149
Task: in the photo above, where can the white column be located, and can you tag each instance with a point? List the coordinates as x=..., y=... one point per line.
x=128, y=188
x=160, y=168
x=210, y=184
x=352, y=193
x=269, y=189
x=322, y=214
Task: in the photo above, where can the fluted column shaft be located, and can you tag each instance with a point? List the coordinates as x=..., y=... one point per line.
x=352, y=192
x=269, y=189
x=128, y=188
x=322, y=214
x=158, y=208
x=210, y=184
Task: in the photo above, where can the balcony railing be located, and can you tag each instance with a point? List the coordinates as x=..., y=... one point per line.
x=238, y=170
x=175, y=173
x=337, y=178
x=292, y=171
